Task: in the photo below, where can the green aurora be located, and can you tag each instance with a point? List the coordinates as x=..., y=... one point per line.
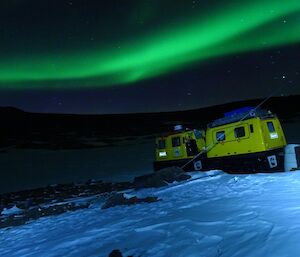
x=240, y=27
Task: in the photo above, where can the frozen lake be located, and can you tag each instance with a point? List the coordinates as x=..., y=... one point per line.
x=22, y=169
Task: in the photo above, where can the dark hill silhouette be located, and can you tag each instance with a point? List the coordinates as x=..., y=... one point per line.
x=41, y=130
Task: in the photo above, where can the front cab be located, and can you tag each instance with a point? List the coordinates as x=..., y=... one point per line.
x=177, y=147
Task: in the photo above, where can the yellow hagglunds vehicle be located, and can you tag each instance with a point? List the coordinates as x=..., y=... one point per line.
x=243, y=141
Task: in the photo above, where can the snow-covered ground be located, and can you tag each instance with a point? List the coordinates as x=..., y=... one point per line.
x=216, y=214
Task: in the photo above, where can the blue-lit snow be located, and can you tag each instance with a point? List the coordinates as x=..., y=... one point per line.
x=213, y=214
x=11, y=211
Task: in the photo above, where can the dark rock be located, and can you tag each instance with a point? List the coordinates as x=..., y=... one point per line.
x=122, y=186
x=115, y=253
x=11, y=221
x=120, y=199
x=160, y=178
x=24, y=204
x=33, y=213
x=34, y=201
x=183, y=177
x=150, y=180
x=37, y=212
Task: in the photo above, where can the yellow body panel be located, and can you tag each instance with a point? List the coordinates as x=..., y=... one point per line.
x=256, y=137
x=276, y=139
x=170, y=152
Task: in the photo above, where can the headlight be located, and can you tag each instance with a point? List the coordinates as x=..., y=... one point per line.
x=273, y=135
x=162, y=154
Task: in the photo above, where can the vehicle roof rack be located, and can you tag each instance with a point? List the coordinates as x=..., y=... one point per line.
x=244, y=113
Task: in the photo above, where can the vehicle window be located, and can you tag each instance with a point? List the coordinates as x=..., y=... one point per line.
x=161, y=144
x=271, y=126
x=251, y=128
x=175, y=141
x=239, y=132
x=220, y=136
x=197, y=134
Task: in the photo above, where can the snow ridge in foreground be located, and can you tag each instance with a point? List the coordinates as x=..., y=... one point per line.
x=213, y=214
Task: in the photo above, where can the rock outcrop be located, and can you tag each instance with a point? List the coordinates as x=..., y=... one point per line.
x=160, y=178
x=120, y=199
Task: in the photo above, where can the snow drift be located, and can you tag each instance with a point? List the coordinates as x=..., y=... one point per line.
x=212, y=214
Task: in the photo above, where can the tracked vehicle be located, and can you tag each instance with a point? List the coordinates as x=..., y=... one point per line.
x=245, y=140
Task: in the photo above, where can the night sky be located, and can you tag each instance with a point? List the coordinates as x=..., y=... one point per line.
x=119, y=56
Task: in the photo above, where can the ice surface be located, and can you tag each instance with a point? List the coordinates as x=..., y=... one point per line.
x=26, y=168
x=213, y=214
